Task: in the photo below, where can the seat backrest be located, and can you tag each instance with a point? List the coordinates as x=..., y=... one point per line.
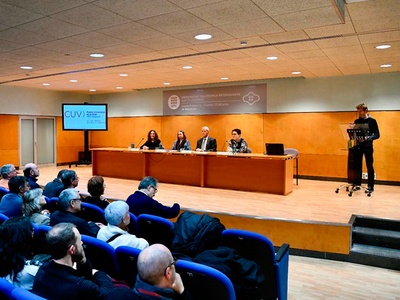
x=3, y=192
x=155, y=229
x=39, y=239
x=91, y=212
x=23, y=294
x=133, y=227
x=6, y=289
x=101, y=255
x=203, y=282
x=3, y=218
x=53, y=204
x=127, y=263
x=258, y=248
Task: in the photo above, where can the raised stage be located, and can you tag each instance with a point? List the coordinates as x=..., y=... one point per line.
x=313, y=217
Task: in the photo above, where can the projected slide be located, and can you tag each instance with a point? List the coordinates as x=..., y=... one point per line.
x=84, y=116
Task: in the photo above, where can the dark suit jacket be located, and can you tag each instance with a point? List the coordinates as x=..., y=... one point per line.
x=210, y=146
x=82, y=225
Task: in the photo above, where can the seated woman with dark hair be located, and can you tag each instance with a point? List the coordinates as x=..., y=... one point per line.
x=237, y=143
x=16, y=240
x=96, y=187
x=32, y=203
x=152, y=142
x=181, y=143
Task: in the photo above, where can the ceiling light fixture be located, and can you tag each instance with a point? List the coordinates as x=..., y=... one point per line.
x=243, y=43
x=167, y=83
x=386, y=66
x=92, y=90
x=26, y=67
x=187, y=67
x=380, y=47
x=203, y=36
x=123, y=75
x=46, y=84
x=97, y=55
x=73, y=80
x=272, y=57
x=296, y=72
x=119, y=87
x=224, y=78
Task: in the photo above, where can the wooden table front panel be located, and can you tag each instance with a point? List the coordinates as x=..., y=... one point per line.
x=273, y=176
x=118, y=164
x=175, y=168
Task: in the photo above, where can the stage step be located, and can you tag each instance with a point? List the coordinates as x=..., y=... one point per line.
x=375, y=242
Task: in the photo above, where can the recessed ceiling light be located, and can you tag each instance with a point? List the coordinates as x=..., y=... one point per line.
x=26, y=67
x=123, y=75
x=243, y=43
x=272, y=57
x=203, y=36
x=386, y=66
x=166, y=83
x=224, y=78
x=92, y=90
x=97, y=55
x=119, y=87
x=380, y=47
x=46, y=84
x=296, y=72
x=73, y=80
x=187, y=67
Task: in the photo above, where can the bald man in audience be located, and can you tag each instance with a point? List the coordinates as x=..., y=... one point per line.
x=157, y=277
x=31, y=172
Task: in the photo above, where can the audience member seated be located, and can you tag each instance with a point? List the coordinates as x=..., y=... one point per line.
x=7, y=171
x=96, y=188
x=152, y=142
x=58, y=279
x=157, y=277
x=16, y=240
x=11, y=203
x=31, y=172
x=116, y=232
x=206, y=143
x=69, y=204
x=55, y=187
x=142, y=202
x=69, y=179
x=32, y=206
x=237, y=143
x=181, y=143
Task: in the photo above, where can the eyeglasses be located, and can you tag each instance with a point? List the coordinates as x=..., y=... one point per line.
x=155, y=189
x=175, y=260
x=80, y=200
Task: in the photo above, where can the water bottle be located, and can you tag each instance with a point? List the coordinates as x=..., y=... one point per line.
x=234, y=149
x=133, y=145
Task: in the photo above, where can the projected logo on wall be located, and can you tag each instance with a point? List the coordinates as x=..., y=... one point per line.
x=216, y=100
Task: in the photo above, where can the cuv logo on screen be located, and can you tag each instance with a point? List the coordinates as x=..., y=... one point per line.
x=174, y=102
x=74, y=114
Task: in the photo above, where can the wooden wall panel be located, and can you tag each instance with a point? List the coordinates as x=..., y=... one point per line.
x=69, y=143
x=9, y=136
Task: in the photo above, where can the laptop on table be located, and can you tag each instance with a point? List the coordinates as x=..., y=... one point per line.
x=274, y=149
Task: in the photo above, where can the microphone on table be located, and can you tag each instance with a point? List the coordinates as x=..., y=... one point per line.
x=223, y=146
x=140, y=142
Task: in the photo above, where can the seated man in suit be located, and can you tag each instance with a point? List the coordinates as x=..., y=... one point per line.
x=142, y=202
x=69, y=204
x=11, y=203
x=157, y=277
x=31, y=172
x=70, y=179
x=206, y=143
x=58, y=279
x=116, y=232
x=55, y=187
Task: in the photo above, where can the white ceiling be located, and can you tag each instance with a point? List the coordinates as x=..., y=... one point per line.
x=151, y=40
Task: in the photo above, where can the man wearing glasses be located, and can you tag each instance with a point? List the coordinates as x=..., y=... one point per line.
x=69, y=204
x=157, y=277
x=142, y=202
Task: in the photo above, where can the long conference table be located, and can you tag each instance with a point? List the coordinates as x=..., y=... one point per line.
x=244, y=172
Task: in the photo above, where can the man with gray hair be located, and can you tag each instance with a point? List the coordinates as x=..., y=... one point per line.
x=206, y=143
x=142, y=202
x=116, y=232
x=69, y=204
x=31, y=172
x=157, y=277
x=7, y=171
